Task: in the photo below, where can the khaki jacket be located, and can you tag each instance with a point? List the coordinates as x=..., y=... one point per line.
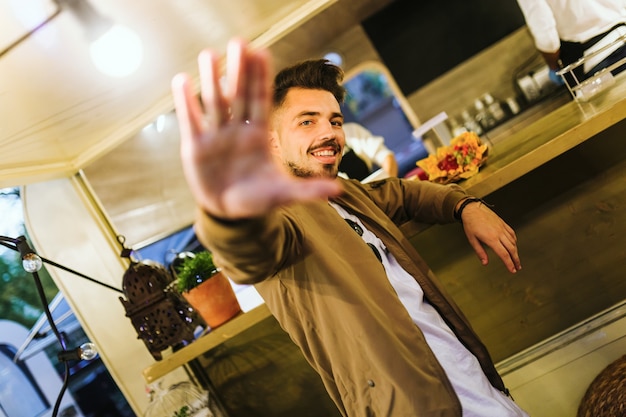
x=331, y=294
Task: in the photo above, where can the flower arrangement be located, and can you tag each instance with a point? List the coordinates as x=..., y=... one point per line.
x=460, y=160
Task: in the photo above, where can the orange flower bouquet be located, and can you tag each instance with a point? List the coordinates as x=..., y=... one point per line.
x=460, y=160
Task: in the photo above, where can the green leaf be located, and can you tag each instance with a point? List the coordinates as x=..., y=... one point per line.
x=194, y=270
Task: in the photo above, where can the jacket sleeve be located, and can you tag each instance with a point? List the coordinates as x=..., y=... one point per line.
x=251, y=250
x=421, y=201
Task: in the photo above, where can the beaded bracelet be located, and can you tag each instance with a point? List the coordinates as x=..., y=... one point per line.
x=469, y=200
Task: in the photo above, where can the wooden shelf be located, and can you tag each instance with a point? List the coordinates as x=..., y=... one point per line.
x=206, y=343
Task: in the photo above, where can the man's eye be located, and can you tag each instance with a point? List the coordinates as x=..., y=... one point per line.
x=337, y=123
x=306, y=122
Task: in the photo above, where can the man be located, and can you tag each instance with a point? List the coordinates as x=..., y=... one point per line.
x=325, y=253
x=566, y=30
x=363, y=150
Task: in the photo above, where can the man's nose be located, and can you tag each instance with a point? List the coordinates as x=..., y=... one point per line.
x=328, y=130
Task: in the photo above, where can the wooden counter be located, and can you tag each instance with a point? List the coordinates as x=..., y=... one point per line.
x=559, y=182
x=547, y=138
x=520, y=150
x=205, y=343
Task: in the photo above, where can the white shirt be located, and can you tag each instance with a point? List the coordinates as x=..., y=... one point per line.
x=477, y=396
x=549, y=21
x=369, y=147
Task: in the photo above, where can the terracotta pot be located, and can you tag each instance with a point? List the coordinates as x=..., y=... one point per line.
x=214, y=300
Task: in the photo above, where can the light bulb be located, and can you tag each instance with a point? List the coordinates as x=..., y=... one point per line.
x=117, y=53
x=88, y=351
x=159, y=124
x=31, y=262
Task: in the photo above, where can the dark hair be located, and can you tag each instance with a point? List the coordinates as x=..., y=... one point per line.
x=318, y=74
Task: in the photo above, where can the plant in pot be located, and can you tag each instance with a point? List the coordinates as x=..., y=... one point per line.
x=206, y=288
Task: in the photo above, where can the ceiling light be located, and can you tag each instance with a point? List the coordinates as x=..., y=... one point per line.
x=117, y=53
x=159, y=125
x=115, y=50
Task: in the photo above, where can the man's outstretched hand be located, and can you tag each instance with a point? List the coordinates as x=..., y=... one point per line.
x=224, y=139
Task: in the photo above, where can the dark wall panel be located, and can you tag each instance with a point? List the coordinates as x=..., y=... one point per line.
x=420, y=40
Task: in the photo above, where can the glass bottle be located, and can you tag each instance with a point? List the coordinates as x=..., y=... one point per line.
x=455, y=127
x=483, y=117
x=494, y=107
x=470, y=123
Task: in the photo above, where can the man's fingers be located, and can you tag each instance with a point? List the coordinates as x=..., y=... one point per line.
x=258, y=87
x=511, y=248
x=248, y=82
x=236, y=78
x=256, y=198
x=215, y=106
x=480, y=251
x=313, y=189
x=188, y=111
x=507, y=251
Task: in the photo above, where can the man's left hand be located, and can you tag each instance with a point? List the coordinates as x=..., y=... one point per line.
x=483, y=226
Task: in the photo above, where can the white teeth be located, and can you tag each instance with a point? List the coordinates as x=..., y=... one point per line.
x=324, y=153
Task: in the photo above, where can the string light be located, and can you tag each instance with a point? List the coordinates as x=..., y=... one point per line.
x=32, y=263
x=86, y=352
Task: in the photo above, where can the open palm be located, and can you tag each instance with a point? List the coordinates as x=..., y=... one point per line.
x=224, y=139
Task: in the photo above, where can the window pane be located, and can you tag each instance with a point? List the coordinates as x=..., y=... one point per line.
x=18, y=396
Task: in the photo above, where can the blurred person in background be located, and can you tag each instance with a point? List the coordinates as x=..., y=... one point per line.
x=365, y=151
x=566, y=30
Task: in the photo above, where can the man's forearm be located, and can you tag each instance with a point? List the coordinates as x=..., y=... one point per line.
x=390, y=166
x=552, y=59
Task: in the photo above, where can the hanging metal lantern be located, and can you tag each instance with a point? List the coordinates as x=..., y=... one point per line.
x=161, y=317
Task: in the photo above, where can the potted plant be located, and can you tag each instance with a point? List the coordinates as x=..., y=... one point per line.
x=206, y=288
x=183, y=412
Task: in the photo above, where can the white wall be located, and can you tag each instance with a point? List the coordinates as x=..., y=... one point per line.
x=66, y=227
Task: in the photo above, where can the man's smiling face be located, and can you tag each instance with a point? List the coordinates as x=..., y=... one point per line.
x=307, y=133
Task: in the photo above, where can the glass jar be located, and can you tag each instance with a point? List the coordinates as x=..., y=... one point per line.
x=183, y=399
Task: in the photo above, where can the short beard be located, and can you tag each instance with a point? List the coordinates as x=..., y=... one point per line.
x=306, y=173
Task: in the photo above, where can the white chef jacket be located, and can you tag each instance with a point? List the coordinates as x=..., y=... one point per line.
x=549, y=21
x=369, y=147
